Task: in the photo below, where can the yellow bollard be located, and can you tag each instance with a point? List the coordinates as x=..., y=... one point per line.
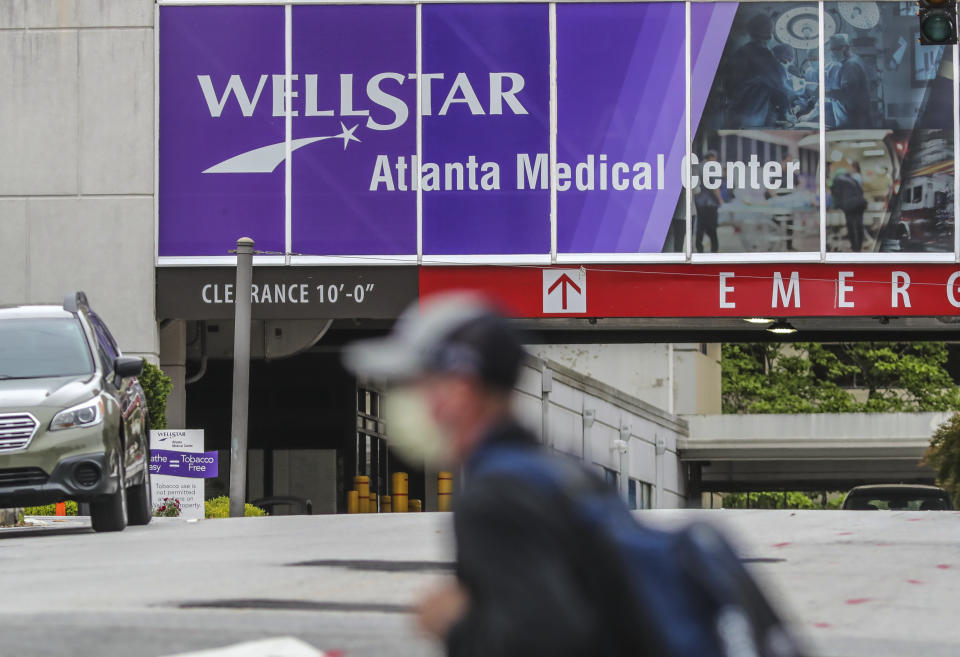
x=373, y=503
x=352, y=502
x=414, y=506
x=361, y=484
x=444, y=491
x=386, y=505
x=400, y=482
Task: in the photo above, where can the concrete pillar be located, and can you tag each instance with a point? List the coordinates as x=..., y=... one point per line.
x=697, y=374
x=173, y=361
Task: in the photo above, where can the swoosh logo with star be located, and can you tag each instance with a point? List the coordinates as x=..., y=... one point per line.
x=266, y=159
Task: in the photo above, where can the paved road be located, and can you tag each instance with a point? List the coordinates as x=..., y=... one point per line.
x=858, y=584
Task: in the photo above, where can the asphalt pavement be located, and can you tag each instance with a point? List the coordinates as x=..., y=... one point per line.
x=855, y=584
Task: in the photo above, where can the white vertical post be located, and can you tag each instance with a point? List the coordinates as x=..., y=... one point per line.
x=956, y=152
x=288, y=133
x=822, y=100
x=416, y=170
x=552, y=27
x=688, y=131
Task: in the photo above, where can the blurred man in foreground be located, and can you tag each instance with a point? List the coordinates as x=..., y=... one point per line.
x=549, y=561
x=454, y=368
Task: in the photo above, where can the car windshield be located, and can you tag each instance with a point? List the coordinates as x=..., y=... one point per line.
x=34, y=348
x=902, y=502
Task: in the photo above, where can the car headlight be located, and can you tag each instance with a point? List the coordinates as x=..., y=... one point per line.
x=87, y=414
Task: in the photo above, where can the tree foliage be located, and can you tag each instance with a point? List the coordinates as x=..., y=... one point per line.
x=808, y=377
x=157, y=387
x=943, y=456
x=769, y=500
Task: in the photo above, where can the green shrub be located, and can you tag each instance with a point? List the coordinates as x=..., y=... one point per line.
x=219, y=507
x=769, y=500
x=50, y=509
x=157, y=387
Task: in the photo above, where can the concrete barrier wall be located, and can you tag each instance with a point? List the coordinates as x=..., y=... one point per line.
x=817, y=435
x=606, y=428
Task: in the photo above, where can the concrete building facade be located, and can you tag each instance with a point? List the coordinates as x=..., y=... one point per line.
x=77, y=164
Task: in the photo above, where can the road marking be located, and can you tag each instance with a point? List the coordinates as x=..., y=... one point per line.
x=279, y=647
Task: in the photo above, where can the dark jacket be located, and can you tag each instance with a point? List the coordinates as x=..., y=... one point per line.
x=536, y=587
x=756, y=89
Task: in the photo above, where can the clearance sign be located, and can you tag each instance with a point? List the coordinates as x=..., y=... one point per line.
x=709, y=291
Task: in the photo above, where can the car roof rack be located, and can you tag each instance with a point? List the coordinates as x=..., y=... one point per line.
x=74, y=301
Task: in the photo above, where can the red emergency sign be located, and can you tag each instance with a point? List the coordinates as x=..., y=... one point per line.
x=755, y=290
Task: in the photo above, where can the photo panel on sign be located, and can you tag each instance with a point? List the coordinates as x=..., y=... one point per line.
x=486, y=129
x=621, y=126
x=889, y=115
x=221, y=138
x=354, y=130
x=755, y=124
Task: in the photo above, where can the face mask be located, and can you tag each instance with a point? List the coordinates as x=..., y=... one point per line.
x=411, y=429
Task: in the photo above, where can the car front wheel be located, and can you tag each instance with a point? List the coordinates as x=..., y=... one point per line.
x=109, y=514
x=140, y=502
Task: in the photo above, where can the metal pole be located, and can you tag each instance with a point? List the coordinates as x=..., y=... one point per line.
x=241, y=378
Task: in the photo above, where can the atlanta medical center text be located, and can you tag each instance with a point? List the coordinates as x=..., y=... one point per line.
x=499, y=94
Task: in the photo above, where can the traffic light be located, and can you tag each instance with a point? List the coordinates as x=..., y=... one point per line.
x=938, y=22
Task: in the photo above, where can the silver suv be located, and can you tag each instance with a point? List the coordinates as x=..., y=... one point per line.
x=73, y=418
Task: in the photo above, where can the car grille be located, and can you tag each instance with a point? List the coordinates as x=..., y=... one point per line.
x=22, y=477
x=16, y=430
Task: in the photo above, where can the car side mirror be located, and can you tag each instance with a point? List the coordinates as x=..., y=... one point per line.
x=126, y=367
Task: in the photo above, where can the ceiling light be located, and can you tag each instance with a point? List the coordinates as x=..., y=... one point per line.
x=781, y=327
x=759, y=320
x=876, y=152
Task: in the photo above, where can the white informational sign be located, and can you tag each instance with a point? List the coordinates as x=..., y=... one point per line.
x=564, y=291
x=180, y=451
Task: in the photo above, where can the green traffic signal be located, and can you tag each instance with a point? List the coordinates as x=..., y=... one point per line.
x=938, y=22
x=937, y=28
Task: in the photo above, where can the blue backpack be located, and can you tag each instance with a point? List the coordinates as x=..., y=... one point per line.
x=690, y=594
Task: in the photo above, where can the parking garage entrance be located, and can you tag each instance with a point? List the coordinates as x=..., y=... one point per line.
x=312, y=426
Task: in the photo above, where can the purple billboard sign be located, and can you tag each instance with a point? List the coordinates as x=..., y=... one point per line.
x=355, y=77
x=489, y=114
x=339, y=155
x=216, y=102
x=621, y=131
